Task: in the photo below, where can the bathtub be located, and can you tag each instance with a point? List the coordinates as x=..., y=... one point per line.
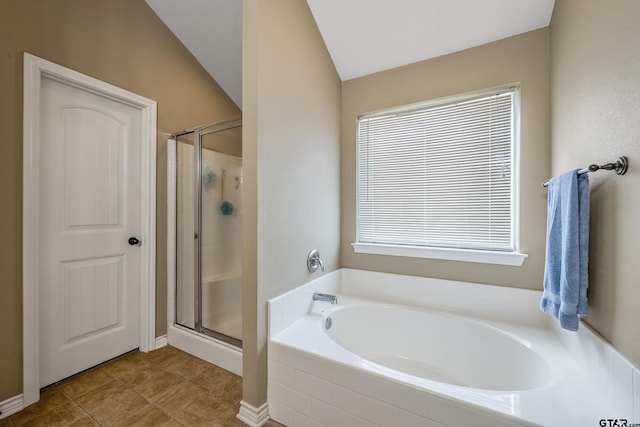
x=442, y=347
x=407, y=351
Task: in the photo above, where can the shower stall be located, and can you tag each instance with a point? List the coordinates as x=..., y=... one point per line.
x=205, y=224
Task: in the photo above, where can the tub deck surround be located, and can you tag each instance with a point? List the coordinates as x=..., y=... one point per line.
x=313, y=380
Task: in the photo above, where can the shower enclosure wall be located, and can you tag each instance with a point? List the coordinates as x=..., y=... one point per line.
x=207, y=174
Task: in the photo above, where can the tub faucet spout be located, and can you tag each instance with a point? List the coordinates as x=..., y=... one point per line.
x=317, y=296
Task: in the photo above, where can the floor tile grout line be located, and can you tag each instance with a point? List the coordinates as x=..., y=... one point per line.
x=79, y=406
x=88, y=414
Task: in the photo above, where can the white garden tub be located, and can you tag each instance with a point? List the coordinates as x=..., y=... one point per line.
x=437, y=346
x=437, y=353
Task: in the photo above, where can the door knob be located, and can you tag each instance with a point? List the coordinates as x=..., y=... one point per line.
x=134, y=241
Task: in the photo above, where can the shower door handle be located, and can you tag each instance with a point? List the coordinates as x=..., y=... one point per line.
x=134, y=241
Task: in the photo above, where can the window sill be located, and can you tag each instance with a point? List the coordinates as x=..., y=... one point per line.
x=466, y=255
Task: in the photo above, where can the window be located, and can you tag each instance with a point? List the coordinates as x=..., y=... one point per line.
x=438, y=179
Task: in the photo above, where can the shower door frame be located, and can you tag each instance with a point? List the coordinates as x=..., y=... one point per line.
x=198, y=133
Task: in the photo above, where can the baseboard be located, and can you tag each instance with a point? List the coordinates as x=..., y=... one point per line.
x=252, y=416
x=161, y=341
x=11, y=406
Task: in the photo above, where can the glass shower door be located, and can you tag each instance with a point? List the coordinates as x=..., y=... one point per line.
x=221, y=235
x=209, y=231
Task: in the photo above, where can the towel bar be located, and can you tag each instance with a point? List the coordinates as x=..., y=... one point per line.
x=619, y=166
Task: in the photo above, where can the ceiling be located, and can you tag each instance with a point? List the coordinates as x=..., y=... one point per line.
x=212, y=31
x=362, y=36
x=366, y=36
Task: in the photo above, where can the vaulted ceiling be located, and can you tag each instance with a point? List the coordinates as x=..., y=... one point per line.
x=212, y=31
x=362, y=36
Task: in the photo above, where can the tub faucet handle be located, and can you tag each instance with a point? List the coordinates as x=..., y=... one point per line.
x=314, y=261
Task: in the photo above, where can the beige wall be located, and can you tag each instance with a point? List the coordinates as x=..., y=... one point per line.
x=523, y=58
x=123, y=43
x=595, y=77
x=291, y=147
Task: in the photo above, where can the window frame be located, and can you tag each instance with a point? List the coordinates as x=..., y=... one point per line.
x=514, y=257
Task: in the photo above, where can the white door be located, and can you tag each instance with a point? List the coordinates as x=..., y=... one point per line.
x=89, y=207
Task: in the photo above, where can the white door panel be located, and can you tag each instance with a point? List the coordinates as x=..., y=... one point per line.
x=89, y=203
x=93, y=147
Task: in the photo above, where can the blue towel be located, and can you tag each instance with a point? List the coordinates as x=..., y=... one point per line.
x=566, y=266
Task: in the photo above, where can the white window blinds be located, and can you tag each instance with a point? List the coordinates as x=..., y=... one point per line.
x=438, y=175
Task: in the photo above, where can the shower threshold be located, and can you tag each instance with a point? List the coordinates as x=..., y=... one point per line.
x=214, y=350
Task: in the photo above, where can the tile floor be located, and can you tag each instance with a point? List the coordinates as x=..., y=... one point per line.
x=166, y=387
